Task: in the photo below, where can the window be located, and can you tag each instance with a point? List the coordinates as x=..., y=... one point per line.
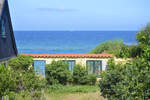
x=3, y=29
x=71, y=64
x=39, y=67
x=94, y=66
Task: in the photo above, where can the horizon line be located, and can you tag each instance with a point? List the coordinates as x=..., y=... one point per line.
x=76, y=30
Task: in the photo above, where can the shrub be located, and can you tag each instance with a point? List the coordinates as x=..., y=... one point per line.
x=7, y=83
x=26, y=80
x=130, y=81
x=110, y=79
x=91, y=80
x=143, y=36
x=108, y=47
x=22, y=62
x=117, y=48
x=57, y=73
x=127, y=82
x=80, y=75
x=135, y=50
x=123, y=52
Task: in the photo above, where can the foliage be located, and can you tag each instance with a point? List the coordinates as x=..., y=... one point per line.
x=33, y=84
x=143, y=36
x=108, y=47
x=135, y=50
x=80, y=75
x=117, y=48
x=22, y=62
x=23, y=95
x=26, y=80
x=91, y=80
x=7, y=83
x=110, y=79
x=130, y=81
x=131, y=51
x=71, y=88
x=57, y=73
x=121, y=50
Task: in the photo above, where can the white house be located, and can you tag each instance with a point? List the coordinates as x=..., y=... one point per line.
x=94, y=63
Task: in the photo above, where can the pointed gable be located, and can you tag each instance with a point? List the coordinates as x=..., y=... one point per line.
x=7, y=41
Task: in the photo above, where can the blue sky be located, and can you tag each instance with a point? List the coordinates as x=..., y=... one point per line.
x=79, y=14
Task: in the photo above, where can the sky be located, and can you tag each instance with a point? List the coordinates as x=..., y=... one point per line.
x=78, y=15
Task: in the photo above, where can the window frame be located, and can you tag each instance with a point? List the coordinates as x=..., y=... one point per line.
x=35, y=69
x=94, y=69
x=3, y=33
x=67, y=61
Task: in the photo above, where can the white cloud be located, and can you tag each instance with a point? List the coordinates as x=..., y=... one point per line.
x=58, y=9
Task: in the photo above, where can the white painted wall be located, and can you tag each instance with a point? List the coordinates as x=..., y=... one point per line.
x=81, y=61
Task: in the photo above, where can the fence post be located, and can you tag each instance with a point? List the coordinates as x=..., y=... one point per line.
x=5, y=97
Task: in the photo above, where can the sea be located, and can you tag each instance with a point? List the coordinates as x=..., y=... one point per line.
x=67, y=42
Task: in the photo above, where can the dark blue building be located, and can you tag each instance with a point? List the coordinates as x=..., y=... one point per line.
x=7, y=41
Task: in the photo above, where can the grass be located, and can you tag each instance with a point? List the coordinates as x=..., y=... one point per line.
x=72, y=89
x=58, y=92
x=70, y=92
x=74, y=96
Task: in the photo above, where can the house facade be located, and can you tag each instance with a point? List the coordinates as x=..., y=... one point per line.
x=7, y=41
x=94, y=63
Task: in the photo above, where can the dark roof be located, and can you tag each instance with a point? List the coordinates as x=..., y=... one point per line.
x=4, y=7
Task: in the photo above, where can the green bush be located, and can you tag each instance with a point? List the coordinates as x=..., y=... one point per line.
x=126, y=82
x=108, y=47
x=117, y=48
x=123, y=52
x=135, y=50
x=110, y=79
x=130, y=81
x=57, y=73
x=143, y=37
x=26, y=79
x=22, y=62
x=91, y=80
x=7, y=83
x=80, y=75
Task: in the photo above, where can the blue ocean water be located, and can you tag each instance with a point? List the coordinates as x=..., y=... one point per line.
x=67, y=42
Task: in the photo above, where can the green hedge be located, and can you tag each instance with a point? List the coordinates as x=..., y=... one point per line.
x=80, y=76
x=57, y=73
x=130, y=81
x=19, y=77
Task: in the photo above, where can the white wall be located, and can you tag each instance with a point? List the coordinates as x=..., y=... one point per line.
x=81, y=61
